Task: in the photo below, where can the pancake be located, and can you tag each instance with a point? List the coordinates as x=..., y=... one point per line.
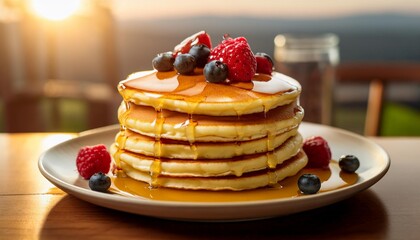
x=137, y=143
x=191, y=94
x=177, y=126
x=215, y=167
x=180, y=131
x=247, y=181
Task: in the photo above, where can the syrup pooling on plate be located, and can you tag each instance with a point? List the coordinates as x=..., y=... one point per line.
x=332, y=179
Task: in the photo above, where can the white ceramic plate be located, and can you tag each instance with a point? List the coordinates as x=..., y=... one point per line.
x=58, y=166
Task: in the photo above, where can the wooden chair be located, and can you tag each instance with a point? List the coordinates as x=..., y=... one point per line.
x=378, y=75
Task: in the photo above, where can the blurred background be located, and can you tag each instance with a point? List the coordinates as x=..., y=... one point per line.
x=61, y=60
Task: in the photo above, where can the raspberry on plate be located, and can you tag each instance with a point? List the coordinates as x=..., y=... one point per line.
x=318, y=152
x=237, y=55
x=93, y=159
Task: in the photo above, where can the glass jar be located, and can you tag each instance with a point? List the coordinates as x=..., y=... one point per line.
x=311, y=60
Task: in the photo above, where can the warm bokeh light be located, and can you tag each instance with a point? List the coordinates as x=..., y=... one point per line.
x=55, y=9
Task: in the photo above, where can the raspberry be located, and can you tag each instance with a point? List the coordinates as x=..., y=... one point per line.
x=198, y=38
x=264, y=63
x=318, y=152
x=237, y=55
x=93, y=159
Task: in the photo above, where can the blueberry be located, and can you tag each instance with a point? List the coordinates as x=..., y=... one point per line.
x=185, y=63
x=201, y=53
x=164, y=62
x=215, y=71
x=309, y=183
x=348, y=163
x=99, y=182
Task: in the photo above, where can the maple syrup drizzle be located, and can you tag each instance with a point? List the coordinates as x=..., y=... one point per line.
x=126, y=113
x=190, y=129
x=271, y=160
x=121, y=139
x=155, y=170
x=155, y=167
x=270, y=141
x=265, y=111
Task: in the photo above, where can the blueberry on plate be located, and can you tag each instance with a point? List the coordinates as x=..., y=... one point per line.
x=99, y=182
x=215, y=71
x=309, y=183
x=185, y=63
x=163, y=62
x=348, y=163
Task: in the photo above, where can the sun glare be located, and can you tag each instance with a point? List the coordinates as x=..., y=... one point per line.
x=55, y=9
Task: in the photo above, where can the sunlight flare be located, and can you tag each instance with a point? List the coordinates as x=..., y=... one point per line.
x=55, y=9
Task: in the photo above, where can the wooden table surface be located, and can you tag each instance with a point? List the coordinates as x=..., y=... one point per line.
x=32, y=208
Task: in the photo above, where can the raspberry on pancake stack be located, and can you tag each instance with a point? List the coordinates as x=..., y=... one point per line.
x=222, y=127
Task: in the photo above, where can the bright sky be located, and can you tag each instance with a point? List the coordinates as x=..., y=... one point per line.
x=133, y=9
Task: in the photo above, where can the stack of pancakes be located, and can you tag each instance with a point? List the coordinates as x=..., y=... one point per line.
x=179, y=131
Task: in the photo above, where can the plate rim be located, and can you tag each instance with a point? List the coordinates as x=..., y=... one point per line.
x=106, y=199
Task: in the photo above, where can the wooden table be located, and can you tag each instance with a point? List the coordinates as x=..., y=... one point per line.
x=31, y=207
